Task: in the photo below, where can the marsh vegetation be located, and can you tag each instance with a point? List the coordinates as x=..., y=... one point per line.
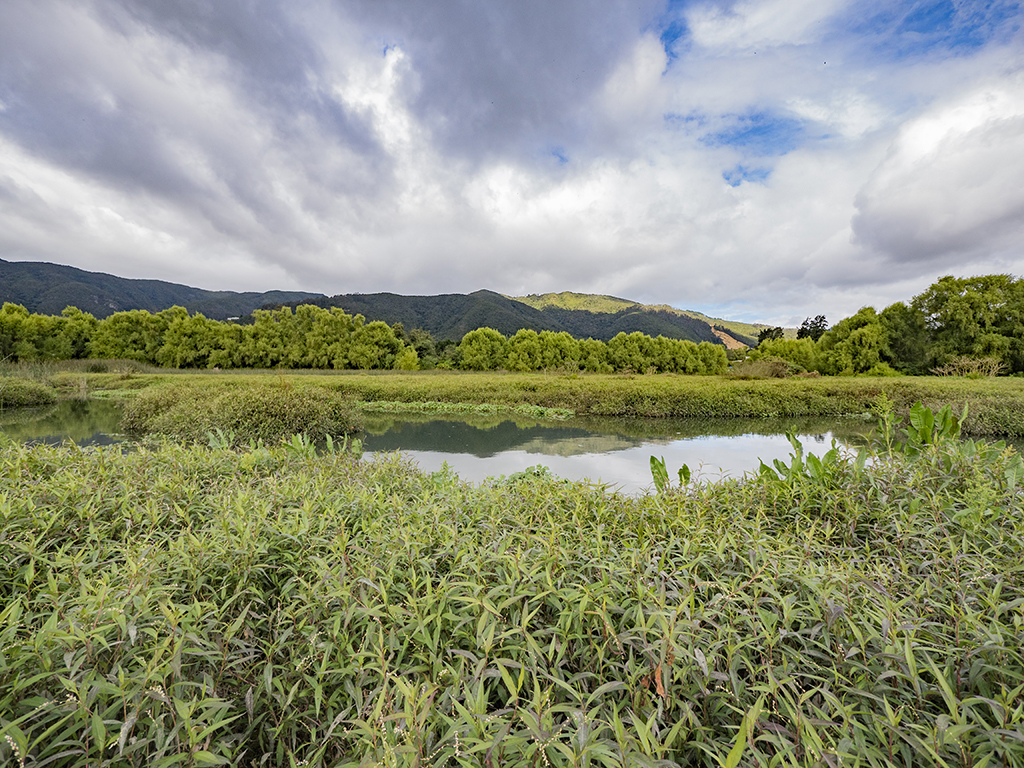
x=281, y=605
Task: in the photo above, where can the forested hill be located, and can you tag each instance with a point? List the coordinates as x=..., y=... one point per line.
x=451, y=316
x=446, y=316
x=48, y=288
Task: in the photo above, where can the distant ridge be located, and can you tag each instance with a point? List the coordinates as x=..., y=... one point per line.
x=450, y=316
x=48, y=288
x=744, y=333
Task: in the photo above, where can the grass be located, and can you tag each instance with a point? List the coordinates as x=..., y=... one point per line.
x=996, y=405
x=185, y=605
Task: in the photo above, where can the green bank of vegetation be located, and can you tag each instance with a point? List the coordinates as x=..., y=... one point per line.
x=283, y=606
x=312, y=337
x=18, y=392
x=996, y=405
x=958, y=326
x=972, y=326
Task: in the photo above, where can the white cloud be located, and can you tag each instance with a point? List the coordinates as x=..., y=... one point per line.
x=634, y=86
x=849, y=113
x=949, y=187
x=752, y=23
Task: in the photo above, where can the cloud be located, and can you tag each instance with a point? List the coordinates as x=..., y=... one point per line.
x=499, y=78
x=751, y=23
x=948, y=189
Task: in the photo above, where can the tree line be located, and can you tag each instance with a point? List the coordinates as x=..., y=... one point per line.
x=315, y=337
x=978, y=319
x=954, y=322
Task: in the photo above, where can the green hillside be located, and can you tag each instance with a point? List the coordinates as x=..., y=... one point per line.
x=48, y=288
x=446, y=316
x=744, y=332
x=588, y=302
x=450, y=316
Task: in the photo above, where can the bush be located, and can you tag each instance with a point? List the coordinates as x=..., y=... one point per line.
x=971, y=367
x=765, y=368
x=19, y=393
x=268, y=412
x=882, y=369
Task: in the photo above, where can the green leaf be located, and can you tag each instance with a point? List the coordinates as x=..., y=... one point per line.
x=203, y=757
x=745, y=732
x=99, y=732
x=659, y=473
x=684, y=475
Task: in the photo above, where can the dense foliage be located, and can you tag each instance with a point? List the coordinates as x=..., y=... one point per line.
x=955, y=321
x=280, y=607
x=967, y=326
x=313, y=337
x=485, y=349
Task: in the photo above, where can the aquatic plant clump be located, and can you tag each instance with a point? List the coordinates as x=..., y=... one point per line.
x=16, y=392
x=269, y=411
x=284, y=606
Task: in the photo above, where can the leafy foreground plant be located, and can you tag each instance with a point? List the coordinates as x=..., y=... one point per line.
x=279, y=606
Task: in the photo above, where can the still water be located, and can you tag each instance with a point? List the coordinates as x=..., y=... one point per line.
x=612, y=451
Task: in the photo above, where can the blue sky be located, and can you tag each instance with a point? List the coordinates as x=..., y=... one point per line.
x=760, y=159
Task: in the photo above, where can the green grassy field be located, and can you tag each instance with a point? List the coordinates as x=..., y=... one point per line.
x=277, y=606
x=996, y=406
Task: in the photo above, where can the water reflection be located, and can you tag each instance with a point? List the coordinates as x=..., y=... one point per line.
x=612, y=451
x=86, y=422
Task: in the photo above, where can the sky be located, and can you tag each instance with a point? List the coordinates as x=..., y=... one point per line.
x=760, y=160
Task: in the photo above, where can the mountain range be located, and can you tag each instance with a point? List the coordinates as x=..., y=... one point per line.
x=48, y=288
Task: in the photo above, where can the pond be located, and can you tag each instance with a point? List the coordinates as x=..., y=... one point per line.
x=612, y=451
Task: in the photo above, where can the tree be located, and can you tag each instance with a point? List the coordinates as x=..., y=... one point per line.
x=524, y=351
x=407, y=360
x=812, y=329
x=769, y=334
x=189, y=342
x=594, y=356
x=558, y=350
x=76, y=332
x=631, y=352
x=802, y=352
x=976, y=316
x=374, y=345
x=133, y=335
x=484, y=349
x=905, y=337
x=423, y=343
x=853, y=345
x=713, y=359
